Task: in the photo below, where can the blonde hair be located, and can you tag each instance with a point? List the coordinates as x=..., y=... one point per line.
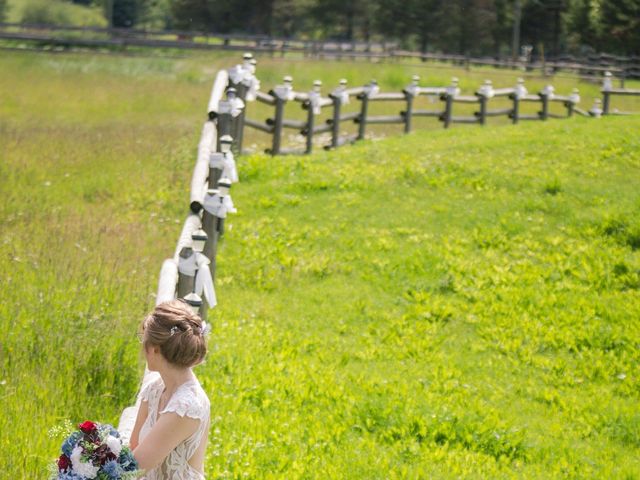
x=177, y=331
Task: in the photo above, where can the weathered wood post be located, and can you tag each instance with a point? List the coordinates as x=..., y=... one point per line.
x=210, y=225
x=338, y=97
x=228, y=161
x=574, y=99
x=607, y=86
x=519, y=92
x=223, y=117
x=244, y=91
x=216, y=166
x=484, y=93
x=186, y=271
x=224, y=186
x=369, y=90
x=198, y=240
x=195, y=302
x=545, y=95
x=450, y=93
x=410, y=92
x=217, y=203
x=312, y=105
x=239, y=80
x=281, y=94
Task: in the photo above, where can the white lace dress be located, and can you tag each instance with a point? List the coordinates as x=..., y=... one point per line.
x=188, y=400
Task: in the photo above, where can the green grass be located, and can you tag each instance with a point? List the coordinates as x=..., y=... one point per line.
x=447, y=304
x=55, y=12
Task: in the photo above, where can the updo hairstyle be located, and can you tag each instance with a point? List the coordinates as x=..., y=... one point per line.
x=177, y=331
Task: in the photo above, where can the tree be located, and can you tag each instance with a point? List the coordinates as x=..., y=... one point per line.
x=126, y=13
x=345, y=19
x=466, y=26
x=191, y=15
x=621, y=25
x=424, y=19
x=543, y=25
x=582, y=25
x=394, y=19
x=502, y=31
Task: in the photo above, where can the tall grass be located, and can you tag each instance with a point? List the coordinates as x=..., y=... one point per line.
x=55, y=12
x=448, y=304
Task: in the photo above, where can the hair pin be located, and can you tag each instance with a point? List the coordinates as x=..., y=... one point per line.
x=174, y=329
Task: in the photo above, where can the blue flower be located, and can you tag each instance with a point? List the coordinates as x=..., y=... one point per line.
x=70, y=443
x=105, y=430
x=127, y=460
x=112, y=469
x=68, y=476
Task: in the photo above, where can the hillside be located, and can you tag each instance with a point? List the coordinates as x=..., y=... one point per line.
x=448, y=304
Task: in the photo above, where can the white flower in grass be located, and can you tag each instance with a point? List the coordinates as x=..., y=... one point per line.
x=114, y=444
x=81, y=468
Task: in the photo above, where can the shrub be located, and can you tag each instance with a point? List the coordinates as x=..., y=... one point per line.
x=52, y=12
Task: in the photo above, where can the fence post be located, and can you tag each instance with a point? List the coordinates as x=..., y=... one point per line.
x=217, y=203
x=313, y=108
x=210, y=226
x=199, y=239
x=281, y=94
x=448, y=96
x=242, y=88
x=370, y=89
x=574, y=99
x=223, y=117
x=216, y=165
x=248, y=85
x=484, y=93
x=518, y=92
x=195, y=302
x=337, y=97
x=607, y=85
x=409, y=94
x=545, y=95
x=186, y=271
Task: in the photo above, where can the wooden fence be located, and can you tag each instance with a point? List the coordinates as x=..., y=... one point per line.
x=97, y=37
x=313, y=102
x=191, y=271
x=189, y=274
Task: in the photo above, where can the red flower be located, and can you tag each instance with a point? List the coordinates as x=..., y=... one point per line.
x=87, y=427
x=63, y=463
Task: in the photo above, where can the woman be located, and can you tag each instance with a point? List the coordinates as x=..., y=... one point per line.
x=170, y=434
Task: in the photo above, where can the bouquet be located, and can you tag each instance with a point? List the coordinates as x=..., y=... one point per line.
x=95, y=451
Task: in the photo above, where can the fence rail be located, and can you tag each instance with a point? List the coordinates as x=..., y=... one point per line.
x=96, y=37
x=313, y=103
x=190, y=273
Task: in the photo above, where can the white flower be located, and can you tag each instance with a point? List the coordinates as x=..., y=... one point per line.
x=79, y=467
x=114, y=444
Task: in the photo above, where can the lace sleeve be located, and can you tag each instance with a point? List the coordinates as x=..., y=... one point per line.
x=187, y=405
x=147, y=391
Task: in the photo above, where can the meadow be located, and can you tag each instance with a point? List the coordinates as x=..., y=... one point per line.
x=447, y=304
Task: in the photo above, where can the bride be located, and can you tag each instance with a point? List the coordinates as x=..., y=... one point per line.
x=170, y=433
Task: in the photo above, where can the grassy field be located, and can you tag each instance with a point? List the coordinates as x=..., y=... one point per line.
x=448, y=304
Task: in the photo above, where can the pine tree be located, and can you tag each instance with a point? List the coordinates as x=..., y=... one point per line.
x=125, y=13
x=191, y=15
x=621, y=25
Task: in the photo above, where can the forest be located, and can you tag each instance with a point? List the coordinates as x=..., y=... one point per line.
x=496, y=28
